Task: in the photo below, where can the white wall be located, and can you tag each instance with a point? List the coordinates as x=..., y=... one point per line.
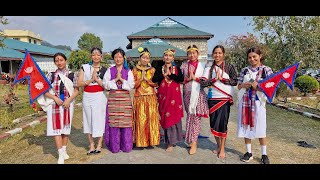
x=47, y=66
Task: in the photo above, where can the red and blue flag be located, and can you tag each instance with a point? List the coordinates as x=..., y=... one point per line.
x=38, y=83
x=270, y=84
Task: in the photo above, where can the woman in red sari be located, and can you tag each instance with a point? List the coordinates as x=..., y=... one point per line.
x=169, y=95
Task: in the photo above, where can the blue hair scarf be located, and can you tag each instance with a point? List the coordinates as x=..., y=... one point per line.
x=125, y=64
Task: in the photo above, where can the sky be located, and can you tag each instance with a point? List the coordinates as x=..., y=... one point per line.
x=113, y=30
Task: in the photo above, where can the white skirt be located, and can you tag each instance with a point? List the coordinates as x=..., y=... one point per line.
x=260, y=124
x=94, y=113
x=65, y=130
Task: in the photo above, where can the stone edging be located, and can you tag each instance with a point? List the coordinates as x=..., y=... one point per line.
x=31, y=124
x=310, y=115
x=300, y=98
x=18, y=130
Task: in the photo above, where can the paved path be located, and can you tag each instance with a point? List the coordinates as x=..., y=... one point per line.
x=180, y=155
x=284, y=130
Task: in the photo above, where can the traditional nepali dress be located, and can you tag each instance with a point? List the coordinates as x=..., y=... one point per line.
x=118, y=127
x=252, y=121
x=146, y=114
x=220, y=96
x=170, y=103
x=59, y=119
x=195, y=99
x=94, y=103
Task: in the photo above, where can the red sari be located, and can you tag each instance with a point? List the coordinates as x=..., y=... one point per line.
x=170, y=101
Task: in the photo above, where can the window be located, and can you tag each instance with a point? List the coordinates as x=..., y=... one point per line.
x=17, y=39
x=34, y=41
x=29, y=40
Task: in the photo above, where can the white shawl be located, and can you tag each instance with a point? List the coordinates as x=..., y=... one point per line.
x=45, y=102
x=195, y=89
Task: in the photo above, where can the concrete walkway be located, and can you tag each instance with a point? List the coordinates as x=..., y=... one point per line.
x=282, y=135
x=180, y=155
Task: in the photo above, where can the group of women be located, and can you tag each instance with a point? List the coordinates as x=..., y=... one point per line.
x=158, y=101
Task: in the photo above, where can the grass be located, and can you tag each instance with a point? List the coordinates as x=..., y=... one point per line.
x=302, y=105
x=32, y=146
x=284, y=129
x=314, y=103
x=20, y=108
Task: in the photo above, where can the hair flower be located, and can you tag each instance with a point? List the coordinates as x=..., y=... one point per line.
x=140, y=49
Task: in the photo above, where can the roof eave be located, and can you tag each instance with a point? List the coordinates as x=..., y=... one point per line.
x=171, y=37
x=37, y=53
x=10, y=59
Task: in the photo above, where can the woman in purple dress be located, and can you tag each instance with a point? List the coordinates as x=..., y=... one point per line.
x=119, y=80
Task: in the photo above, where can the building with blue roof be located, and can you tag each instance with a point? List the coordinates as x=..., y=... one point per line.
x=13, y=53
x=175, y=34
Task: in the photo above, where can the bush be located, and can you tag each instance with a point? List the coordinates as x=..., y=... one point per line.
x=307, y=84
x=284, y=91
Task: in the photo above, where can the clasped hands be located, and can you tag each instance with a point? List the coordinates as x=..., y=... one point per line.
x=119, y=77
x=65, y=104
x=94, y=77
x=218, y=76
x=144, y=76
x=167, y=72
x=248, y=85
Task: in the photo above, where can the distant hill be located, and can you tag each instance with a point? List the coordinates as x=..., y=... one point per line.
x=63, y=47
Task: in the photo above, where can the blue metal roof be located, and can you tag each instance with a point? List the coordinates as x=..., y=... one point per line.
x=10, y=53
x=32, y=48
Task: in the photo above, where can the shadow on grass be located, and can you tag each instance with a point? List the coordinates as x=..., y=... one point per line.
x=77, y=138
x=47, y=142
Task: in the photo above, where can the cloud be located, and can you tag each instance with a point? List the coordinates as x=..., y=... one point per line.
x=55, y=30
x=60, y=30
x=63, y=26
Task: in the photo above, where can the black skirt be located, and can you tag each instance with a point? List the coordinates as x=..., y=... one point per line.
x=219, y=118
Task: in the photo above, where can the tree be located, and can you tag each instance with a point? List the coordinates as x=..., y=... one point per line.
x=107, y=57
x=77, y=58
x=63, y=47
x=290, y=39
x=105, y=61
x=88, y=40
x=3, y=21
x=237, y=46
